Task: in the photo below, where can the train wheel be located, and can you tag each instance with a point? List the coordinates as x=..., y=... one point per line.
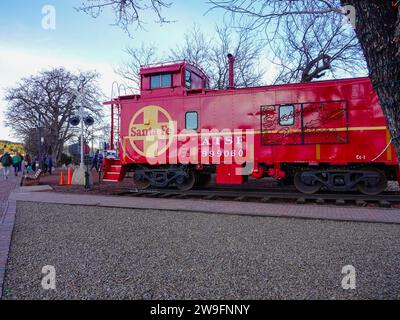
x=373, y=186
x=203, y=179
x=307, y=187
x=186, y=183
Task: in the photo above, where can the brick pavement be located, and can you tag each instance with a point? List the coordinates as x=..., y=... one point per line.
x=7, y=217
x=375, y=215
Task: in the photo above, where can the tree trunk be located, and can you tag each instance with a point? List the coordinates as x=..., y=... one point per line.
x=376, y=30
x=58, y=153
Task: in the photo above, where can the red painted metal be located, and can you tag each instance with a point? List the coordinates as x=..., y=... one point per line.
x=226, y=174
x=258, y=173
x=336, y=122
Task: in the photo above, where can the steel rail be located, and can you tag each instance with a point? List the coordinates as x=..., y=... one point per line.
x=386, y=199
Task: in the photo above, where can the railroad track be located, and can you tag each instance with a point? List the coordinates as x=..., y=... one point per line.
x=272, y=195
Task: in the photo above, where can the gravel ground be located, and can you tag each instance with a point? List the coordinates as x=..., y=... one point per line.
x=102, y=253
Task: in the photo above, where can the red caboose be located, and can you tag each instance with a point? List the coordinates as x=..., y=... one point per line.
x=319, y=135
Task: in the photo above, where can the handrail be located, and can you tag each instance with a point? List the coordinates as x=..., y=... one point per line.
x=162, y=64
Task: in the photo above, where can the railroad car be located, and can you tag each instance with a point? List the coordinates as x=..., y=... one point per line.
x=323, y=135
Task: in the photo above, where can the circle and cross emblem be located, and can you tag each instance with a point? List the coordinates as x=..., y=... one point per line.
x=151, y=131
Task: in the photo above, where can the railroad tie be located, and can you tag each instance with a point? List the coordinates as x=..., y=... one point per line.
x=340, y=202
x=385, y=204
x=361, y=203
x=266, y=200
x=301, y=201
x=166, y=195
x=181, y=196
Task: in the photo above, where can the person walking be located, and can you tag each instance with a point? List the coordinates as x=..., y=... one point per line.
x=16, y=161
x=6, y=162
x=34, y=162
x=20, y=162
x=28, y=163
x=49, y=163
x=1, y=165
x=44, y=164
x=95, y=161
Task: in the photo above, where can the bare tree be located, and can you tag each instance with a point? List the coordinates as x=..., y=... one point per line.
x=312, y=47
x=377, y=28
x=195, y=48
x=49, y=99
x=97, y=134
x=129, y=69
x=208, y=53
x=247, y=50
x=126, y=12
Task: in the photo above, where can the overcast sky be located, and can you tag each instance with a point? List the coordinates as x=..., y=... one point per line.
x=79, y=41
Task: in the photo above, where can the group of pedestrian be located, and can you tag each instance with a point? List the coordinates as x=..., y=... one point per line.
x=7, y=160
x=46, y=162
x=29, y=165
x=26, y=163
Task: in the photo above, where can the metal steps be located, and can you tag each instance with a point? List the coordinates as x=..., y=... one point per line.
x=113, y=171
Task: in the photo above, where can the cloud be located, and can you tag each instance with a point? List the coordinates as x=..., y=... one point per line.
x=16, y=63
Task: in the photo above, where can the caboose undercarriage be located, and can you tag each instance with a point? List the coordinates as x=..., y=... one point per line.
x=368, y=180
x=365, y=178
x=183, y=177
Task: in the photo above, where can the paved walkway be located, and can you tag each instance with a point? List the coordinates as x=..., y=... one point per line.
x=7, y=217
x=379, y=215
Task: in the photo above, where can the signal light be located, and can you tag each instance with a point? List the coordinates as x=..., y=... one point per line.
x=75, y=121
x=88, y=120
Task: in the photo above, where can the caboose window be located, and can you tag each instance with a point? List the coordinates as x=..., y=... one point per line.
x=166, y=80
x=286, y=115
x=161, y=81
x=188, y=79
x=191, y=120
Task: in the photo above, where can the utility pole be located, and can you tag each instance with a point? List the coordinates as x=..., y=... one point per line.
x=81, y=114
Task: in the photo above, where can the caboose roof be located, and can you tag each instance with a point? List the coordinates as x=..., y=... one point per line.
x=174, y=66
x=294, y=86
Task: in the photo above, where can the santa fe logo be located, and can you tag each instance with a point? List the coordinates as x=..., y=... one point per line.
x=151, y=131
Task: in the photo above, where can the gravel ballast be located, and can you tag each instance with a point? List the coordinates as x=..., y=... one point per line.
x=107, y=253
